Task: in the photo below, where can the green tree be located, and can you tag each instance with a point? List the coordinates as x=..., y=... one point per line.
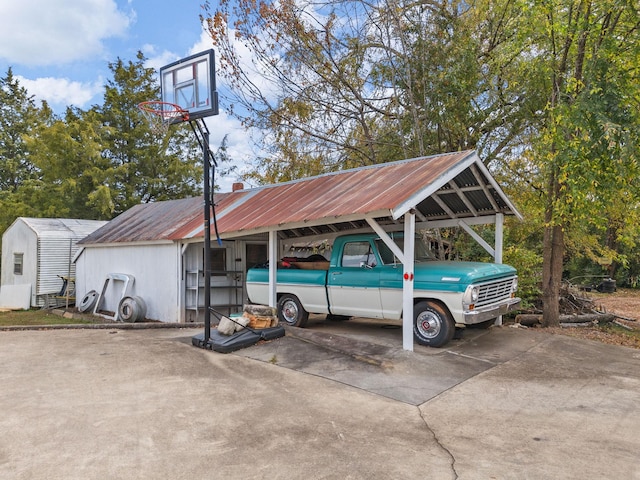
x=588, y=146
x=72, y=172
x=312, y=86
x=19, y=118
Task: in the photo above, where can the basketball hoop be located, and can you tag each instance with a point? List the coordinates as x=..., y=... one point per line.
x=161, y=115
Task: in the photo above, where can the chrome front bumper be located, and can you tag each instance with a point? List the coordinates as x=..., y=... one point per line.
x=488, y=312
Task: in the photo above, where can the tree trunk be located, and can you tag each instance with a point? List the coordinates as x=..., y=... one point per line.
x=552, y=274
x=553, y=252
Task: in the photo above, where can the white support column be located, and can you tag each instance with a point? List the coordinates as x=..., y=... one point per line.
x=499, y=238
x=408, y=276
x=273, y=268
x=497, y=257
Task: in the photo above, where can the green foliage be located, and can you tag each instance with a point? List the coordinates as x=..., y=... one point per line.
x=587, y=148
x=19, y=116
x=529, y=265
x=67, y=155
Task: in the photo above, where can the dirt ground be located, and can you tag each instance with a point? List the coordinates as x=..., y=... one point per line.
x=623, y=302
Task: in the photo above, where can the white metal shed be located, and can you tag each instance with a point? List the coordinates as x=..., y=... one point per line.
x=36, y=251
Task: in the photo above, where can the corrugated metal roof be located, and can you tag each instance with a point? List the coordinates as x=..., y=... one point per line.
x=454, y=185
x=61, y=227
x=149, y=222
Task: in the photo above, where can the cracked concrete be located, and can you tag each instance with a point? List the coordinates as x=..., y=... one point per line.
x=336, y=401
x=441, y=446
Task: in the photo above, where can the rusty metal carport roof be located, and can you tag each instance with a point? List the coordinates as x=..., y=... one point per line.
x=440, y=187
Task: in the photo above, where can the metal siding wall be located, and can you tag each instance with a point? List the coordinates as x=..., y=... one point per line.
x=19, y=238
x=53, y=260
x=154, y=267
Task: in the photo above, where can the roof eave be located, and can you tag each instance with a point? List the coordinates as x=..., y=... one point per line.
x=497, y=188
x=305, y=223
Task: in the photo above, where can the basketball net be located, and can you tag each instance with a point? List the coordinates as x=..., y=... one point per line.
x=161, y=115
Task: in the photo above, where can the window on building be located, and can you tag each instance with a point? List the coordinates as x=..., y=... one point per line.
x=17, y=263
x=218, y=261
x=256, y=254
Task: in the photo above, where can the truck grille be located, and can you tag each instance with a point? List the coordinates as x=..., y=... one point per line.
x=493, y=292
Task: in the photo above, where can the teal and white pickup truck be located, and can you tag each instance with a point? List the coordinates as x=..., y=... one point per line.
x=363, y=278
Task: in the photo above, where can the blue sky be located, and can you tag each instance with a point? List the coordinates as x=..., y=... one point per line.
x=60, y=51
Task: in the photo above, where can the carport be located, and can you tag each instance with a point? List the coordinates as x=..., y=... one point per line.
x=448, y=190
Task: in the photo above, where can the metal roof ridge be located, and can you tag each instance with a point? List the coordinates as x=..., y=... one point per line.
x=70, y=225
x=358, y=169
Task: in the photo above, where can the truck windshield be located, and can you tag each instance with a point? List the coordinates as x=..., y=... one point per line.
x=422, y=253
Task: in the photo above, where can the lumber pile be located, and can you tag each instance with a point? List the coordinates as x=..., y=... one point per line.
x=260, y=316
x=577, y=309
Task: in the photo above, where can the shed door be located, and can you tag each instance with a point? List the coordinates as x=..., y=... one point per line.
x=54, y=261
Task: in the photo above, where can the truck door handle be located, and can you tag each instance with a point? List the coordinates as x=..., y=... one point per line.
x=336, y=273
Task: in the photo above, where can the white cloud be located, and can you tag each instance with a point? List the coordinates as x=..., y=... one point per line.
x=156, y=59
x=205, y=43
x=51, y=32
x=62, y=92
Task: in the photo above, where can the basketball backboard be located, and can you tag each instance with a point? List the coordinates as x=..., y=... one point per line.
x=191, y=84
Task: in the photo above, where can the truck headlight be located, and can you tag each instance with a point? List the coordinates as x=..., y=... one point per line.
x=514, y=286
x=471, y=295
x=474, y=294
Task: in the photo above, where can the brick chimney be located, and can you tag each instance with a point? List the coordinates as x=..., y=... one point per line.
x=237, y=186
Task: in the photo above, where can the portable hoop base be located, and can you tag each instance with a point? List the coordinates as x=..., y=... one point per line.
x=242, y=339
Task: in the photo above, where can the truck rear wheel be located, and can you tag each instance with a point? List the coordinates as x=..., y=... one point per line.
x=291, y=311
x=432, y=324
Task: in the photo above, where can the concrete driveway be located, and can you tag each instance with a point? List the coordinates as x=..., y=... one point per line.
x=335, y=401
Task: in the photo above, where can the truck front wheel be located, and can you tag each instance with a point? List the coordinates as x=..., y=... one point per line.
x=291, y=311
x=432, y=324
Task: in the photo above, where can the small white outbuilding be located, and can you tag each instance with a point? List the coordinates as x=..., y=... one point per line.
x=36, y=252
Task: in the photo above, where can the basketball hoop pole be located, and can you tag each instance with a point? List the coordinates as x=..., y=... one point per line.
x=202, y=135
x=160, y=116
x=207, y=235
x=188, y=94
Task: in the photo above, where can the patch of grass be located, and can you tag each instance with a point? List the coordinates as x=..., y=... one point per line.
x=612, y=328
x=607, y=333
x=36, y=317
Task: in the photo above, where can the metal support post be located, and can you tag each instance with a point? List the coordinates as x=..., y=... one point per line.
x=408, y=276
x=207, y=237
